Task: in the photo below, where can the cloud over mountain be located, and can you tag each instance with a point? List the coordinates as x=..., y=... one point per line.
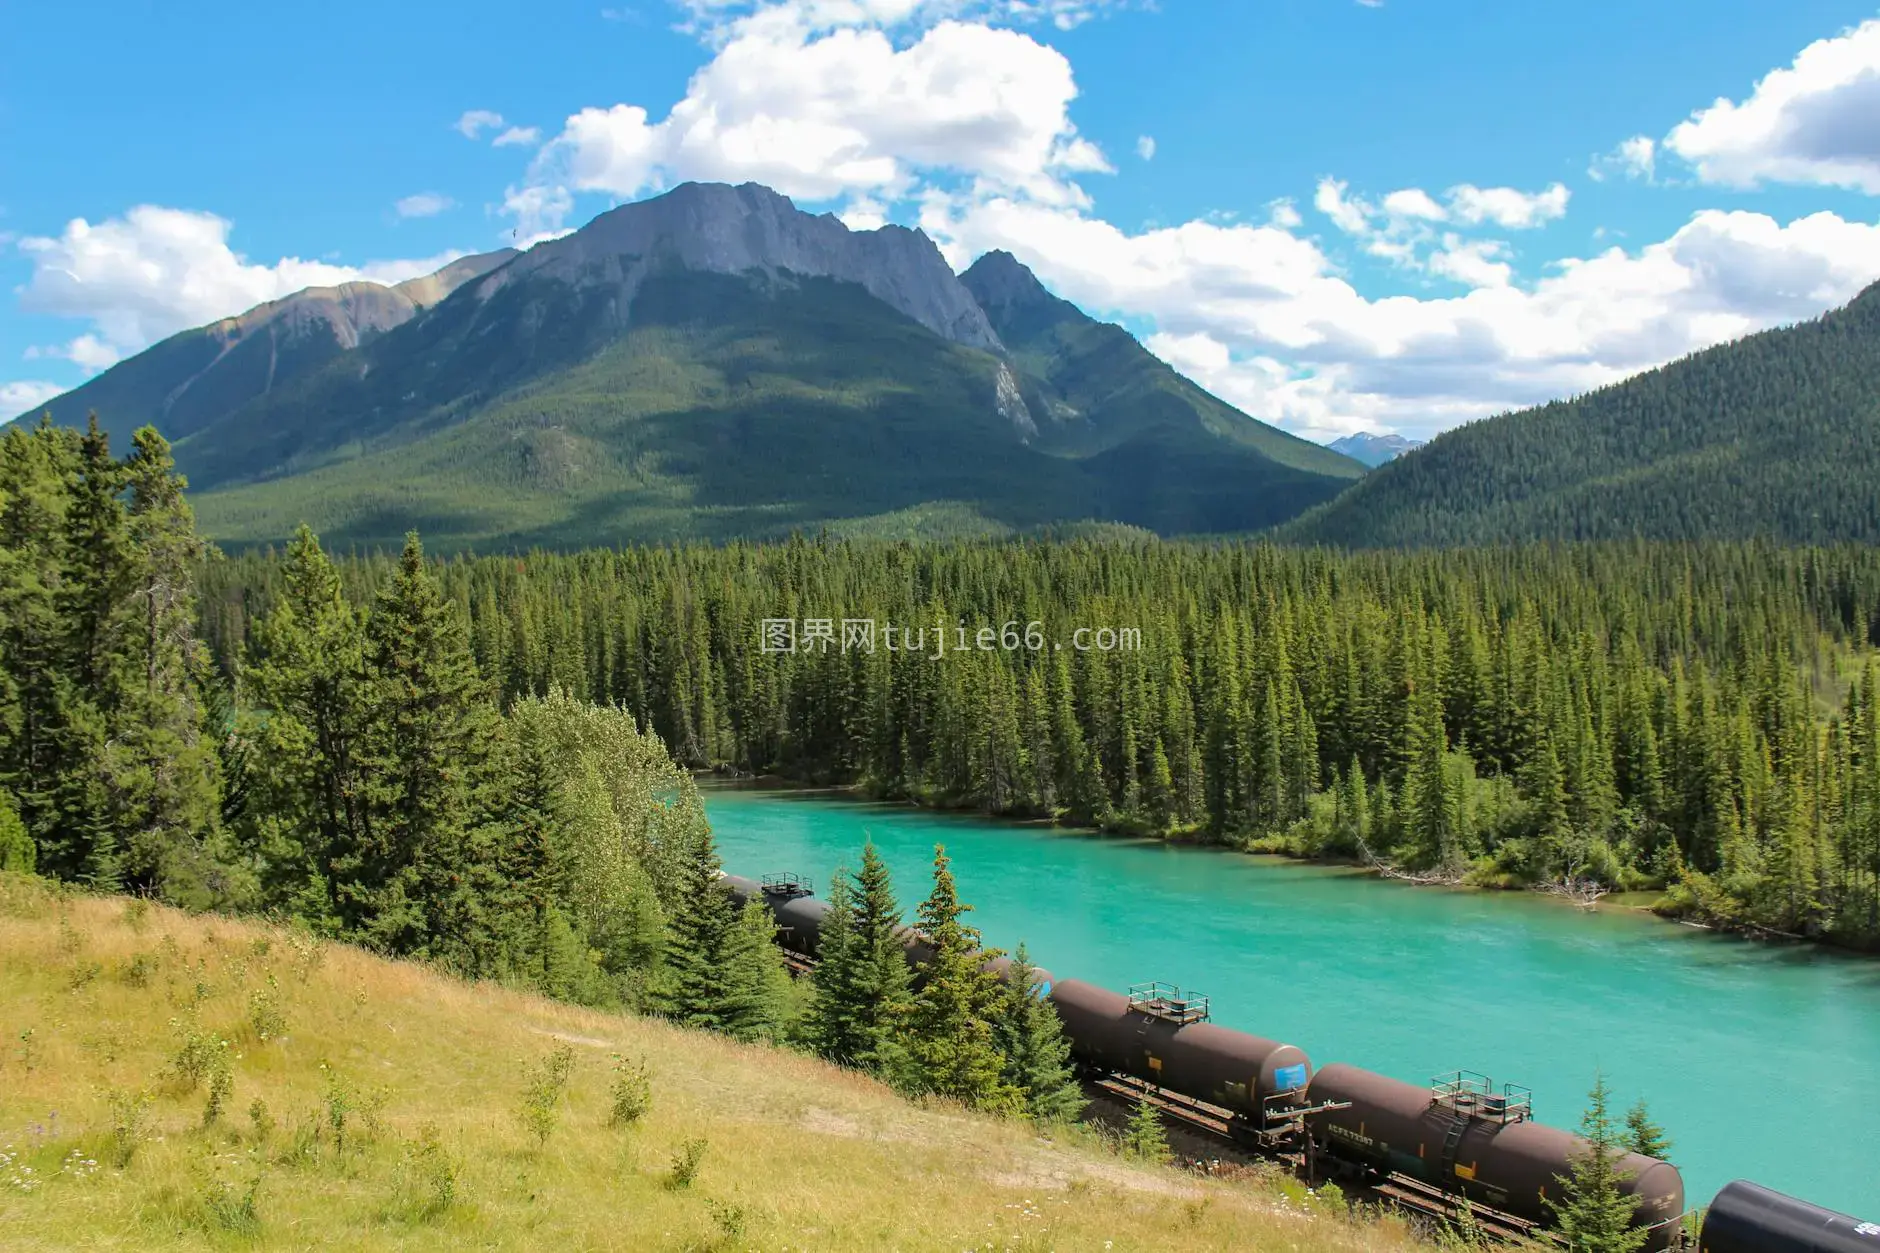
x=1815, y=121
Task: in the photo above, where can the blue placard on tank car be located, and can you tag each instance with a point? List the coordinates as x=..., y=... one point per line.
x=1290, y=1078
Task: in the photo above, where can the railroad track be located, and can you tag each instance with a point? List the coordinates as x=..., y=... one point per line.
x=1459, y=1215
x=1245, y=1143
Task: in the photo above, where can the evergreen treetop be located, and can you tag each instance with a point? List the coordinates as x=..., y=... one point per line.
x=950, y=1046
x=1594, y=1214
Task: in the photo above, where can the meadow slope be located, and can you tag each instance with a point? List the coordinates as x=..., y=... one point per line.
x=372, y=1104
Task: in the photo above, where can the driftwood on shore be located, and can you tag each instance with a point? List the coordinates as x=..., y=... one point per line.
x=1444, y=876
x=1585, y=893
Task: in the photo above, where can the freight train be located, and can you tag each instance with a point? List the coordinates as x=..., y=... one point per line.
x=1461, y=1137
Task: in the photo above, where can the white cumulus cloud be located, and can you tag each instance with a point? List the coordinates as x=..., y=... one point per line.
x=424, y=204
x=475, y=121
x=1145, y=147
x=1263, y=318
x=1636, y=157
x=1816, y=121
x=156, y=271
x=26, y=394
x=818, y=101
x=1508, y=207
x=518, y=136
x=1414, y=202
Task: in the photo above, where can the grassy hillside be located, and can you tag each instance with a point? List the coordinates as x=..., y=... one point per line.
x=1776, y=435
x=370, y=1104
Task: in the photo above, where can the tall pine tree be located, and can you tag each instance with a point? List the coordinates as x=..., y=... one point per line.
x=950, y=1047
x=1594, y=1214
x=1028, y=1032
x=428, y=731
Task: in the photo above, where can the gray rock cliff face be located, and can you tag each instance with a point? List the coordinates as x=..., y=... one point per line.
x=427, y=289
x=356, y=311
x=716, y=228
x=1011, y=403
x=353, y=311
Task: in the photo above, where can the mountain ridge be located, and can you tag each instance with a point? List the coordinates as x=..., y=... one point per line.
x=1372, y=448
x=181, y=383
x=1775, y=435
x=716, y=363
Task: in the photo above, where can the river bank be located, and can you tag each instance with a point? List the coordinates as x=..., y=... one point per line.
x=1654, y=902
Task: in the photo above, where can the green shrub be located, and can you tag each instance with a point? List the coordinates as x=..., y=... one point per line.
x=685, y=1164
x=541, y=1097
x=130, y=1124
x=429, y=1176
x=632, y=1091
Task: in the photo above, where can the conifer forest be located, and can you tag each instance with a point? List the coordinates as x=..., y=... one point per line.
x=1701, y=720
x=400, y=746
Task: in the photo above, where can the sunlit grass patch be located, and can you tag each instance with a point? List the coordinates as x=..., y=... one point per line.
x=378, y=1105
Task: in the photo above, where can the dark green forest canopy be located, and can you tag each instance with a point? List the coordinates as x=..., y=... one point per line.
x=1776, y=436
x=1700, y=717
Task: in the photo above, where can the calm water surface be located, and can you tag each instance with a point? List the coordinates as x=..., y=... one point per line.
x=1762, y=1061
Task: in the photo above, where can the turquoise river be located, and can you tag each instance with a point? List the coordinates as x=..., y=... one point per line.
x=1762, y=1061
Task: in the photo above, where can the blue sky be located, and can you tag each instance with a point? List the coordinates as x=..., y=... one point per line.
x=1352, y=215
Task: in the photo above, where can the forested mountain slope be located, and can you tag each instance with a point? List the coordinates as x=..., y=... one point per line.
x=1776, y=435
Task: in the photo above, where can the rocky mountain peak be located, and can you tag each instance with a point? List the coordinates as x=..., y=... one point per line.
x=721, y=229
x=1000, y=280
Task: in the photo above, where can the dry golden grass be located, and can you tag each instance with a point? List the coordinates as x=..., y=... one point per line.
x=99, y=995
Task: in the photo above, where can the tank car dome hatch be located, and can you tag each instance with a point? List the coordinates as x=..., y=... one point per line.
x=919, y=949
x=1749, y=1218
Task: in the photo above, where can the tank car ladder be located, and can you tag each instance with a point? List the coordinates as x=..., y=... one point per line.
x=1458, y=1127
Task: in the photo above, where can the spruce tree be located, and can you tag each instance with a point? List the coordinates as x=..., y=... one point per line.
x=950, y=1049
x=1143, y=1135
x=306, y=669
x=1643, y=1136
x=829, y=1028
x=525, y=877
x=724, y=971
x=757, y=987
x=162, y=770
x=17, y=851
x=36, y=467
x=1595, y=1216
x=697, y=987
x=92, y=601
x=1028, y=1032
x=429, y=731
x=880, y=999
